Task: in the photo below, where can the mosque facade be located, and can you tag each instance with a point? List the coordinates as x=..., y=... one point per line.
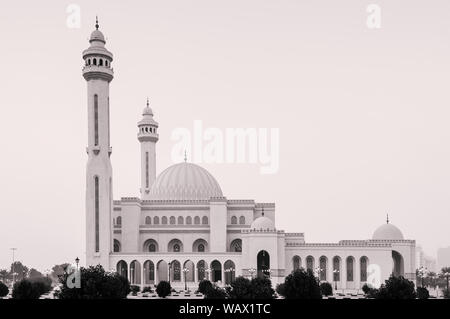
x=183, y=229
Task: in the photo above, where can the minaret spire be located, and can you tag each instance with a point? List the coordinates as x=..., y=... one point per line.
x=96, y=22
x=185, y=156
x=387, y=218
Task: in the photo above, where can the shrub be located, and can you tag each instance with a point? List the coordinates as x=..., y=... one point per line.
x=366, y=288
x=204, y=286
x=96, y=283
x=163, y=289
x=301, y=284
x=42, y=285
x=261, y=288
x=446, y=293
x=326, y=289
x=134, y=289
x=240, y=288
x=3, y=290
x=280, y=289
x=396, y=288
x=422, y=293
x=369, y=291
x=24, y=290
x=147, y=289
x=215, y=293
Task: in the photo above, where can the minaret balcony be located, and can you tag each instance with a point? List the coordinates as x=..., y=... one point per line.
x=91, y=72
x=148, y=137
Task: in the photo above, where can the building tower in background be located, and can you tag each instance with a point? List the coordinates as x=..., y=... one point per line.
x=99, y=200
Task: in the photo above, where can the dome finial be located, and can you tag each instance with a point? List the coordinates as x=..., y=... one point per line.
x=148, y=102
x=185, y=156
x=387, y=218
x=96, y=22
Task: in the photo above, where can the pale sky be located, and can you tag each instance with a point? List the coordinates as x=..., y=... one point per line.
x=363, y=113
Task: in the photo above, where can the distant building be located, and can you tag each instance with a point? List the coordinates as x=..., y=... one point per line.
x=443, y=257
x=422, y=260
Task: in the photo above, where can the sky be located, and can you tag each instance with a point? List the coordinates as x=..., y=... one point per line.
x=362, y=113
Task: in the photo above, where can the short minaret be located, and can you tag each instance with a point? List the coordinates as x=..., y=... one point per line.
x=147, y=136
x=99, y=200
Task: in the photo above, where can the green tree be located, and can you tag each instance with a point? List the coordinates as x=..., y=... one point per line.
x=301, y=284
x=216, y=293
x=396, y=288
x=240, y=288
x=204, y=286
x=261, y=288
x=25, y=289
x=326, y=289
x=3, y=290
x=163, y=289
x=57, y=271
x=34, y=274
x=19, y=269
x=445, y=273
x=95, y=283
x=422, y=293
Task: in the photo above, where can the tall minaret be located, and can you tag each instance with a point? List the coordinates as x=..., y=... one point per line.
x=99, y=200
x=147, y=136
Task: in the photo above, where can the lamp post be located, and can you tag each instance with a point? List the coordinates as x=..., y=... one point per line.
x=446, y=275
x=267, y=272
x=77, y=261
x=423, y=271
x=185, y=271
x=317, y=272
x=230, y=271
x=169, y=264
x=336, y=273
x=13, y=266
x=252, y=271
x=208, y=271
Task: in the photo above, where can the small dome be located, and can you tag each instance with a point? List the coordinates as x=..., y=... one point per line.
x=97, y=35
x=147, y=111
x=387, y=232
x=263, y=223
x=185, y=181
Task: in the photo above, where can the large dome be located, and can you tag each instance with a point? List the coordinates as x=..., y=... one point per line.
x=185, y=181
x=263, y=223
x=387, y=232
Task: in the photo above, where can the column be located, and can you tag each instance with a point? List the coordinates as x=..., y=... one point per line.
x=195, y=274
x=142, y=276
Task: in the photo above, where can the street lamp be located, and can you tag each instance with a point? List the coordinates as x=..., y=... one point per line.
x=336, y=274
x=423, y=271
x=252, y=271
x=185, y=271
x=446, y=275
x=77, y=260
x=267, y=272
x=208, y=271
x=317, y=272
x=230, y=271
x=13, y=266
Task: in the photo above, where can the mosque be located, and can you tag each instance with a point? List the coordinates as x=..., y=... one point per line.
x=183, y=229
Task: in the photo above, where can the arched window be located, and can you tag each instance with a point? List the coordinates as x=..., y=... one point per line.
x=295, y=263
x=236, y=246
x=176, y=270
x=172, y=220
x=95, y=61
x=336, y=268
x=119, y=220
x=323, y=268
x=363, y=266
x=106, y=62
x=116, y=246
x=233, y=220
x=97, y=213
x=151, y=245
x=199, y=245
x=310, y=262
x=96, y=119
x=350, y=263
x=201, y=267
x=242, y=220
x=89, y=62
x=100, y=62
x=205, y=220
x=175, y=246
x=148, y=220
x=164, y=220
x=180, y=220
x=197, y=220
x=156, y=220
x=188, y=220
x=201, y=248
